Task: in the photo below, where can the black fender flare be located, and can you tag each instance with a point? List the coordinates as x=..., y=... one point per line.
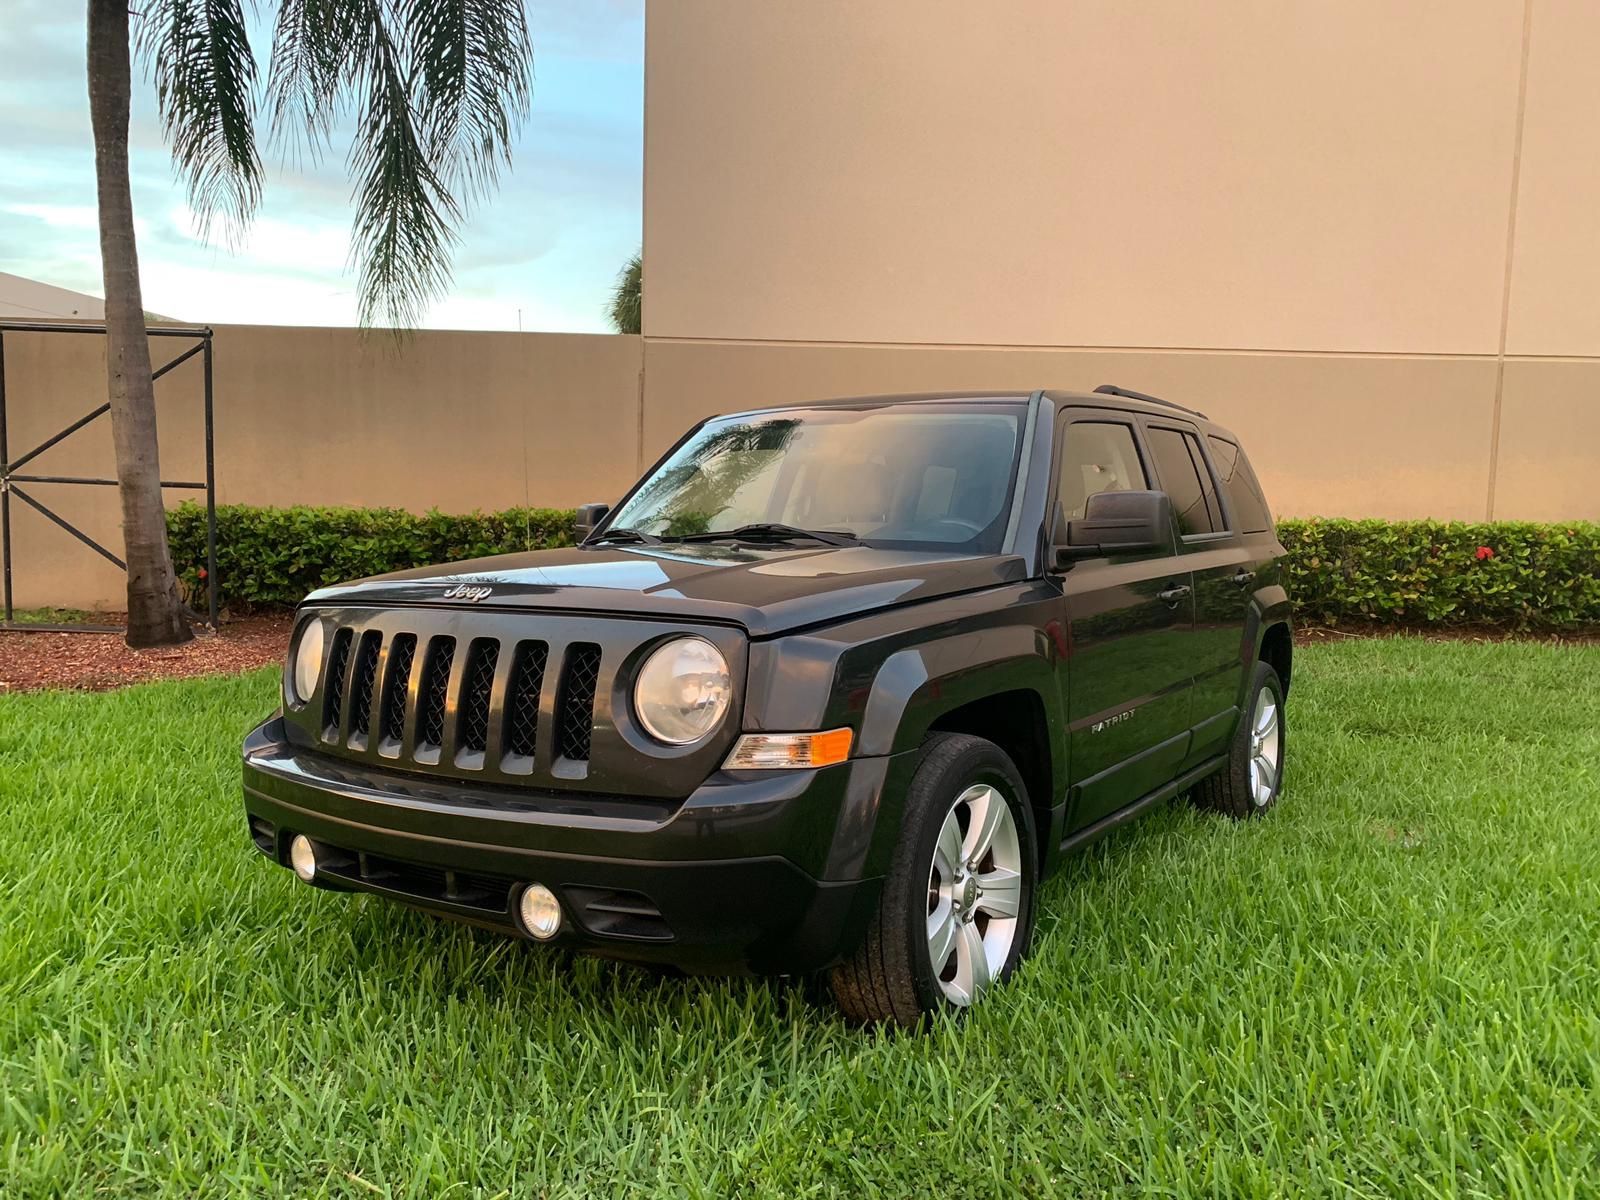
x=916, y=685
x=1269, y=606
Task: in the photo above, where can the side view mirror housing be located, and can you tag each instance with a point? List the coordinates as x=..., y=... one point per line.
x=589, y=515
x=1117, y=523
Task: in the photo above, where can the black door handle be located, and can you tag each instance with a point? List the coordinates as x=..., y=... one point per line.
x=1244, y=577
x=1173, y=594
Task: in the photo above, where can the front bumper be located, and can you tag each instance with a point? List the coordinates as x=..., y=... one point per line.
x=767, y=872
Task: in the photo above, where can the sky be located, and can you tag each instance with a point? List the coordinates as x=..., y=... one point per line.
x=542, y=254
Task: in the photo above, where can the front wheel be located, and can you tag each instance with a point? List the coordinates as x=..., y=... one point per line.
x=956, y=912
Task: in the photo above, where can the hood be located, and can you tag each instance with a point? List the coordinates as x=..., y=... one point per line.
x=765, y=590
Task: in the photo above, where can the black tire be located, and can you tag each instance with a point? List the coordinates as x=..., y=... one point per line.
x=1229, y=791
x=890, y=977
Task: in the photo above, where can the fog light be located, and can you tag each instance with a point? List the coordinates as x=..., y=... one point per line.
x=540, y=912
x=303, y=858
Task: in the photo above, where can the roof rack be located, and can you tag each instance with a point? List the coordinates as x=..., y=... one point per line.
x=1111, y=389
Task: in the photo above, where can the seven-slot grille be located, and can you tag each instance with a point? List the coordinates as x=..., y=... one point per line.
x=398, y=686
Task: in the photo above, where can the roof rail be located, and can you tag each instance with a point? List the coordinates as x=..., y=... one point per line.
x=1111, y=389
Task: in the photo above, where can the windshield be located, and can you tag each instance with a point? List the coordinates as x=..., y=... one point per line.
x=906, y=476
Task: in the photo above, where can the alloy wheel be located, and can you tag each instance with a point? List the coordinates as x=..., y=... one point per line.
x=1266, y=748
x=974, y=894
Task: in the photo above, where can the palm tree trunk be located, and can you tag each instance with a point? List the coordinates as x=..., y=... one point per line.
x=155, y=614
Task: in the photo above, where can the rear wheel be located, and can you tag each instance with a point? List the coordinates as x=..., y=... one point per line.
x=1248, y=786
x=956, y=912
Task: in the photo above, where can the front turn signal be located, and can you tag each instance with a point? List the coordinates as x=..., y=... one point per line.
x=776, y=751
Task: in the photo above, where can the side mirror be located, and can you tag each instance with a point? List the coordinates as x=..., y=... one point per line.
x=1118, y=523
x=589, y=515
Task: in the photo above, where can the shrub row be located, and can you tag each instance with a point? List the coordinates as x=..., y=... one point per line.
x=274, y=556
x=1416, y=573
x=1511, y=574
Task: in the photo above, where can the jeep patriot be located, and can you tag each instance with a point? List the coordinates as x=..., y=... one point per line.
x=830, y=690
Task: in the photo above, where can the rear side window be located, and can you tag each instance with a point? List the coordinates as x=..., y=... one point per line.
x=1239, y=481
x=1186, y=479
x=1098, y=457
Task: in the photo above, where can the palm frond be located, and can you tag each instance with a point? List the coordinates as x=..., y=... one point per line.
x=438, y=88
x=317, y=49
x=473, y=66
x=625, y=311
x=205, y=74
x=406, y=217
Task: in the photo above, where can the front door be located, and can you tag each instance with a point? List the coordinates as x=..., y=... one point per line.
x=1130, y=618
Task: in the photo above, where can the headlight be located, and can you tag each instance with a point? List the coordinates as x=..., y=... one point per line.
x=306, y=668
x=682, y=691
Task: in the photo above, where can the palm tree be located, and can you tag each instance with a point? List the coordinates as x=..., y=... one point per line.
x=437, y=88
x=625, y=311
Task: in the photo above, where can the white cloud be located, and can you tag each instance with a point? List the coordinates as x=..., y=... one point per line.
x=549, y=243
x=80, y=218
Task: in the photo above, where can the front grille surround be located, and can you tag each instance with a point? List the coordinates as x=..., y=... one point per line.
x=520, y=699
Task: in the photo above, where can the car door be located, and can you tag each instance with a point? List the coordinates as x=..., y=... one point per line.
x=1129, y=617
x=1219, y=566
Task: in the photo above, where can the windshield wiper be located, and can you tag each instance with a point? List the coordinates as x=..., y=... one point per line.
x=623, y=534
x=772, y=531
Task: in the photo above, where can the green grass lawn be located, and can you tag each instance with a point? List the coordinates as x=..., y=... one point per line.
x=1389, y=987
x=50, y=616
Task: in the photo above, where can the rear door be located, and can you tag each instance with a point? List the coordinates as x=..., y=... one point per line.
x=1130, y=618
x=1221, y=569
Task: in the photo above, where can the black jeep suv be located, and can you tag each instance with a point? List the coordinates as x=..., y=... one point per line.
x=832, y=688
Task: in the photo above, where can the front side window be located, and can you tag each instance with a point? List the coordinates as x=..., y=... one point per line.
x=906, y=476
x=1184, y=475
x=1098, y=456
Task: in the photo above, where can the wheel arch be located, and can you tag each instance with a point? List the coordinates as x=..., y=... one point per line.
x=997, y=684
x=1277, y=651
x=1016, y=722
x=1268, y=637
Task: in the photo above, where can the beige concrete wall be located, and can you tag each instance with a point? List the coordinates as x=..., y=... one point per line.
x=1242, y=174
x=455, y=421
x=1363, y=233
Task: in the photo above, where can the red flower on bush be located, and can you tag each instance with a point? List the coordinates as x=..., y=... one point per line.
x=1485, y=552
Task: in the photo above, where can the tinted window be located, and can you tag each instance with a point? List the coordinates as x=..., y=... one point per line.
x=1180, y=475
x=1098, y=457
x=1239, y=481
x=1208, y=483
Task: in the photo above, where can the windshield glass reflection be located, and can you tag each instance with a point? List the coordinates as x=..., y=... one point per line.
x=914, y=475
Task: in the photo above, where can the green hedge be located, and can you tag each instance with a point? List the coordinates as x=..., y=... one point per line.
x=274, y=556
x=1511, y=574
x=1415, y=573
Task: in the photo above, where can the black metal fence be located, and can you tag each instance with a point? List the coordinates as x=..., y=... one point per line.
x=11, y=475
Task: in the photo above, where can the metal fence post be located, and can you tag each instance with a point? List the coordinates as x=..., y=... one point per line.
x=211, y=496
x=5, y=483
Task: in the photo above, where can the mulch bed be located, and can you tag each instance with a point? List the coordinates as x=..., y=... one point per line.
x=97, y=662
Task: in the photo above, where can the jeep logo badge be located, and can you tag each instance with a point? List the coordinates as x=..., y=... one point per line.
x=467, y=592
